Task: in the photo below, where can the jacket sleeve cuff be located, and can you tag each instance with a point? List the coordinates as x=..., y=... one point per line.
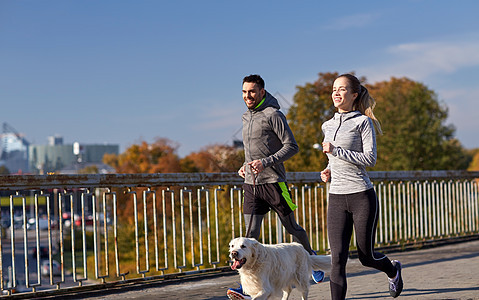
x=335, y=151
x=266, y=162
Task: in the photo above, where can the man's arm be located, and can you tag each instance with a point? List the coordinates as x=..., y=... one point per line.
x=285, y=135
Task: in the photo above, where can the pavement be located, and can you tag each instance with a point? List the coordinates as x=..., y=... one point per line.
x=443, y=272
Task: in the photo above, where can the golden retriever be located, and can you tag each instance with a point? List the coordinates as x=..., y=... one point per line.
x=272, y=271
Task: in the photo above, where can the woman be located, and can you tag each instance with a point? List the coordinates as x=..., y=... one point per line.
x=350, y=144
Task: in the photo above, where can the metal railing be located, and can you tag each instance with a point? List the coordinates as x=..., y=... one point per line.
x=99, y=229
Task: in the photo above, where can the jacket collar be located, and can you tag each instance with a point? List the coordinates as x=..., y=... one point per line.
x=346, y=115
x=268, y=101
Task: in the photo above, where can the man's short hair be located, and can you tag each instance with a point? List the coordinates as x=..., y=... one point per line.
x=254, y=79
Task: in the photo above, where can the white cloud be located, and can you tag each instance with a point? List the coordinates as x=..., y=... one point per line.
x=448, y=67
x=421, y=60
x=462, y=106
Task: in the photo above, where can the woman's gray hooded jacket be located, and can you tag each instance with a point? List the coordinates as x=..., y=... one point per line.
x=354, y=139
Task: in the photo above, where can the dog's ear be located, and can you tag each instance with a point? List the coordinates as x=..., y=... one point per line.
x=255, y=247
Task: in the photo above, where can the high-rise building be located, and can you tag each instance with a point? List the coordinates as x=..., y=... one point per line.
x=19, y=156
x=13, y=150
x=14, y=154
x=53, y=158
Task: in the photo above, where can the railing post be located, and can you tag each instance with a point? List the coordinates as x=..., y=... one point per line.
x=217, y=235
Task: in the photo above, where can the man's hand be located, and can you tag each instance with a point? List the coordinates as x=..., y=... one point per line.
x=326, y=175
x=241, y=171
x=256, y=166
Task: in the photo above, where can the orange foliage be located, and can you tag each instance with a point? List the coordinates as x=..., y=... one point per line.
x=474, y=165
x=158, y=157
x=161, y=157
x=215, y=158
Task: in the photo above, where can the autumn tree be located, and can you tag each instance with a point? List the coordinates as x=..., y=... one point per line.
x=4, y=170
x=312, y=106
x=89, y=170
x=415, y=134
x=212, y=159
x=157, y=157
x=413, y=120
x=474, y=165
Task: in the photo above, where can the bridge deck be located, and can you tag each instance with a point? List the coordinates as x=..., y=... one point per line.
x=445, y=272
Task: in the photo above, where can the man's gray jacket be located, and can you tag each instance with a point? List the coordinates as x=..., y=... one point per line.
x=267, y=137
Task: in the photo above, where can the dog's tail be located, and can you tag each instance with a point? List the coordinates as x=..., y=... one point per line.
x=321, y=262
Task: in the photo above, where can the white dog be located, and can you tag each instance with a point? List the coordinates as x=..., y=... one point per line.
x=267, y=271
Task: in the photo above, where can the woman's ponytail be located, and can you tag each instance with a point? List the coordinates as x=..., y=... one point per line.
x=363, y=102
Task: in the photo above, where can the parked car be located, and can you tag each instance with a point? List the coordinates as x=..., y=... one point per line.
x=17, y=221
x=45, y=268
x=66, y=219
x=88, y=221
x=5, y=223
x=42, y=224
x=101, y=219
x=43, y=252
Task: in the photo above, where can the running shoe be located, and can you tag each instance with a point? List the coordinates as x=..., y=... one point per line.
x=318, y=276
x=396, y=284
x=237, y=294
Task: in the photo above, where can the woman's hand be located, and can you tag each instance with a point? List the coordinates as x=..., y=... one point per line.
x=328, y=147
x=325, y=175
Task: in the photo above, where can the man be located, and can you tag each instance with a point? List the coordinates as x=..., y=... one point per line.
x=268, y=142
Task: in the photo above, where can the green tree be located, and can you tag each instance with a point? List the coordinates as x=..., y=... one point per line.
x=415, y=134
x=4, y=170
x=413, y=121
x=312, y=107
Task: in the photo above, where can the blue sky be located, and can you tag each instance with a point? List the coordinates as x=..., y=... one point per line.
x=117, y=71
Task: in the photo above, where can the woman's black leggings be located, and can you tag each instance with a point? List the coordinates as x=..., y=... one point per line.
x=360, y=210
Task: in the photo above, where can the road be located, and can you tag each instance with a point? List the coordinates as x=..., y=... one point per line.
x=32, y=260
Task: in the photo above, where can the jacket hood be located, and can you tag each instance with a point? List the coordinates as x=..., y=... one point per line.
x=269, y=101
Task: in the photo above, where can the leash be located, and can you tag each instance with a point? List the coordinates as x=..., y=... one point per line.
x=254, y=196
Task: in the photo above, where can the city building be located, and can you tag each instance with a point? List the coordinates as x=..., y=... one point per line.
x=68, y=158
x=18, y=156
x=13, y=150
